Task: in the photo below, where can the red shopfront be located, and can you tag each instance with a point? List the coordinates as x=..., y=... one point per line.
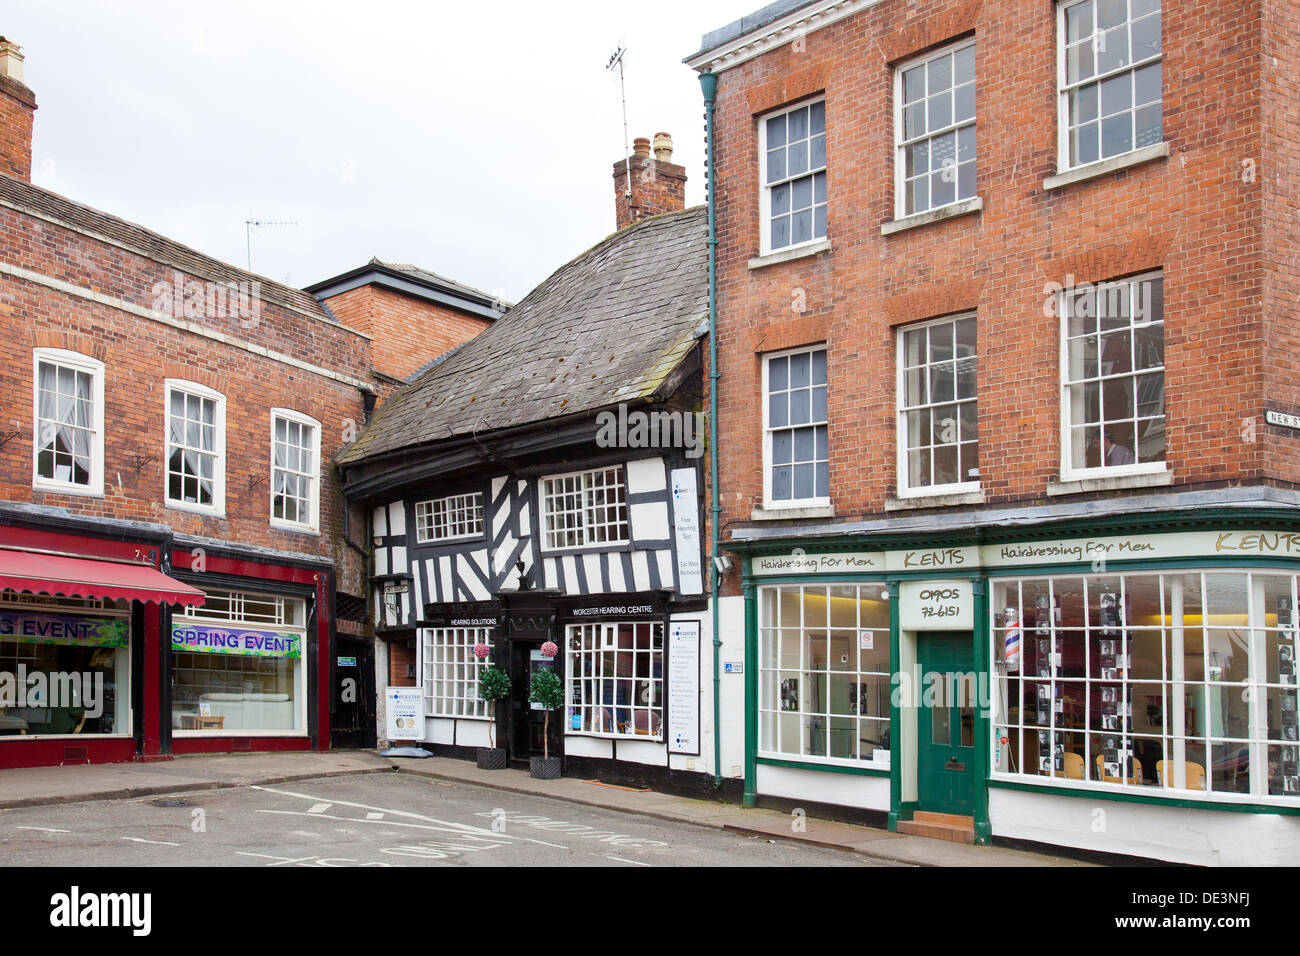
x=94, y=664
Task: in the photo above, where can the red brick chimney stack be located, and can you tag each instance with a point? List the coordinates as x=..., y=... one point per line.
x=17, y=106
x=658, y=185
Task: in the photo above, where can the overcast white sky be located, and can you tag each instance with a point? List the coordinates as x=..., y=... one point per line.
x=473, y=139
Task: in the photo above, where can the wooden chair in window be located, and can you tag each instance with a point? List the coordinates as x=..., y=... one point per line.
x=1073, y=766
x=1135, y=779
x=1195, y=775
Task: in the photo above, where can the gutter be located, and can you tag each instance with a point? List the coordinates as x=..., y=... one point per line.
x=709, y=86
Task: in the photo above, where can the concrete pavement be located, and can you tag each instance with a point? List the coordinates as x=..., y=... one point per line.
x=51, y=785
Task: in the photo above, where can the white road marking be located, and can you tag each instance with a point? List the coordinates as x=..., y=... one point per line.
x=465, y=834
x=154, y=842
x=621, y=860
x=44, y=829
x=280, y=860
x=459, y=827
x=319, y=808
x=374, y=816
x=558, y=846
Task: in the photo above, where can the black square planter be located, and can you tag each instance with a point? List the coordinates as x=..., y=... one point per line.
x=492, y=758
x=544, y=768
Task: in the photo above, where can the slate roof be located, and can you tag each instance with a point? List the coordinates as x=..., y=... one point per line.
x=150, y=245
x=606, y=328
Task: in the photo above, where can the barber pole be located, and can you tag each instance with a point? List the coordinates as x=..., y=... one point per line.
x=1011, y=642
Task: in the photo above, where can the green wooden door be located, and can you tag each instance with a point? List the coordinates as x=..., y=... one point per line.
x=945, y=759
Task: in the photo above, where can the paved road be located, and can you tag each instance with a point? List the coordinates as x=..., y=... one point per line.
x=376, y=820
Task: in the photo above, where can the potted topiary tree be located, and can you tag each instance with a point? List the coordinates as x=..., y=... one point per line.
x=546, y=689
x=493, y=685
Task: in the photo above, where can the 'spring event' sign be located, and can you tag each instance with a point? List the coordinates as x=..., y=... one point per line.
x=204, y=639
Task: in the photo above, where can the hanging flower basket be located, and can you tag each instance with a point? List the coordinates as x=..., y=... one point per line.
x=549, y=649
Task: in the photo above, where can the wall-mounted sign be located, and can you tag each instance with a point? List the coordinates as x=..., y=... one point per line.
x=733, y=667
x=686, y=531
x=207, y=639
x=404, y=714
x=684, y=687
x=1283, y=419
x=347, y=662
x=27, y=628
x=854, y=562
x=936, y=606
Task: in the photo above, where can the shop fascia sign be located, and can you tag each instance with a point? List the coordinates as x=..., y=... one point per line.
x=1197, y=544
x=25, y=627
x=936, y=606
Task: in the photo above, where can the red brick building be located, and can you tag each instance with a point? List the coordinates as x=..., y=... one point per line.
x=172, y=537
x=1006, y=322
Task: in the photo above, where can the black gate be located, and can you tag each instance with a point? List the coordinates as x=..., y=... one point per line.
x=354, y=694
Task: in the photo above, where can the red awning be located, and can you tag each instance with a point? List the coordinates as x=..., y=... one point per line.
x=89, y=578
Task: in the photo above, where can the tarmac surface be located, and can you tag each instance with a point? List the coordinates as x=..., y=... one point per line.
x=301, y=809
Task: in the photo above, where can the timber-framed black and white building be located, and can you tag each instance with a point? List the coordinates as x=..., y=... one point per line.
x=544, y=483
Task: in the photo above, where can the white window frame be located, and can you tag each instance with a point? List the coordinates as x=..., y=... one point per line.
x=901, y=144
x=765, y=190
x=769, y=706
x=289, y=614
x=313, y=525
x=427, y=531
x=95, y=368
x=904, y=488
x=1254, y=690
x=587, y=543
x=461, y=671
x=218, y=506
x=1068, y=471
x=1063, y=90
x=575, y=676
x=768, y=503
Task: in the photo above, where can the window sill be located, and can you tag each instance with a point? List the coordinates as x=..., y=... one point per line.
x=85, y=491
x=296, y=528
x=195, y=509
x=1083, y=173
x=964, y=208
x=1156, y=479
x=786, y=255
x=953, y=500
x=644, y=738
x=770, y=513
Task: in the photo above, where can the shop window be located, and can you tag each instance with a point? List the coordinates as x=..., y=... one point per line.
x=935, y=130
x=237, y=664
x=938, y=413
x=585, y=508
x=1182, y=682
x=1113, y=408
x=615, y=679
x=793, y=146
x=796, y=433
x=196, y=447
x=65, y=667
x=823, y=672
x=295, y=470
x=1109, y=79
x=449, y=519
x=451, y=671
x=69, y=422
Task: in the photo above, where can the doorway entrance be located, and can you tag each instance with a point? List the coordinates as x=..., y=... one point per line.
x=528, y=720
x=945, y=759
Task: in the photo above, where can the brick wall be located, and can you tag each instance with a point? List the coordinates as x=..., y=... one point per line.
x=140, y=352
x=406, y=332
x=1191, y=215
x=657, y=187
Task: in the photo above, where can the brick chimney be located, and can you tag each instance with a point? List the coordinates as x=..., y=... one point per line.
x=17, y=105
x=658, y=185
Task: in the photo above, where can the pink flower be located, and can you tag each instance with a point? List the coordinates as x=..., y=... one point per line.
x=481, y=651
x=549, y=649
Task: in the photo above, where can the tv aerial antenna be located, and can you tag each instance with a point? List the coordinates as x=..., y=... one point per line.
x=251, y=223
x=616, y=60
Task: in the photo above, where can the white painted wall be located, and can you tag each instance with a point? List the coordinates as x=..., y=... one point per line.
x=1173, y=834
x=818, y=786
